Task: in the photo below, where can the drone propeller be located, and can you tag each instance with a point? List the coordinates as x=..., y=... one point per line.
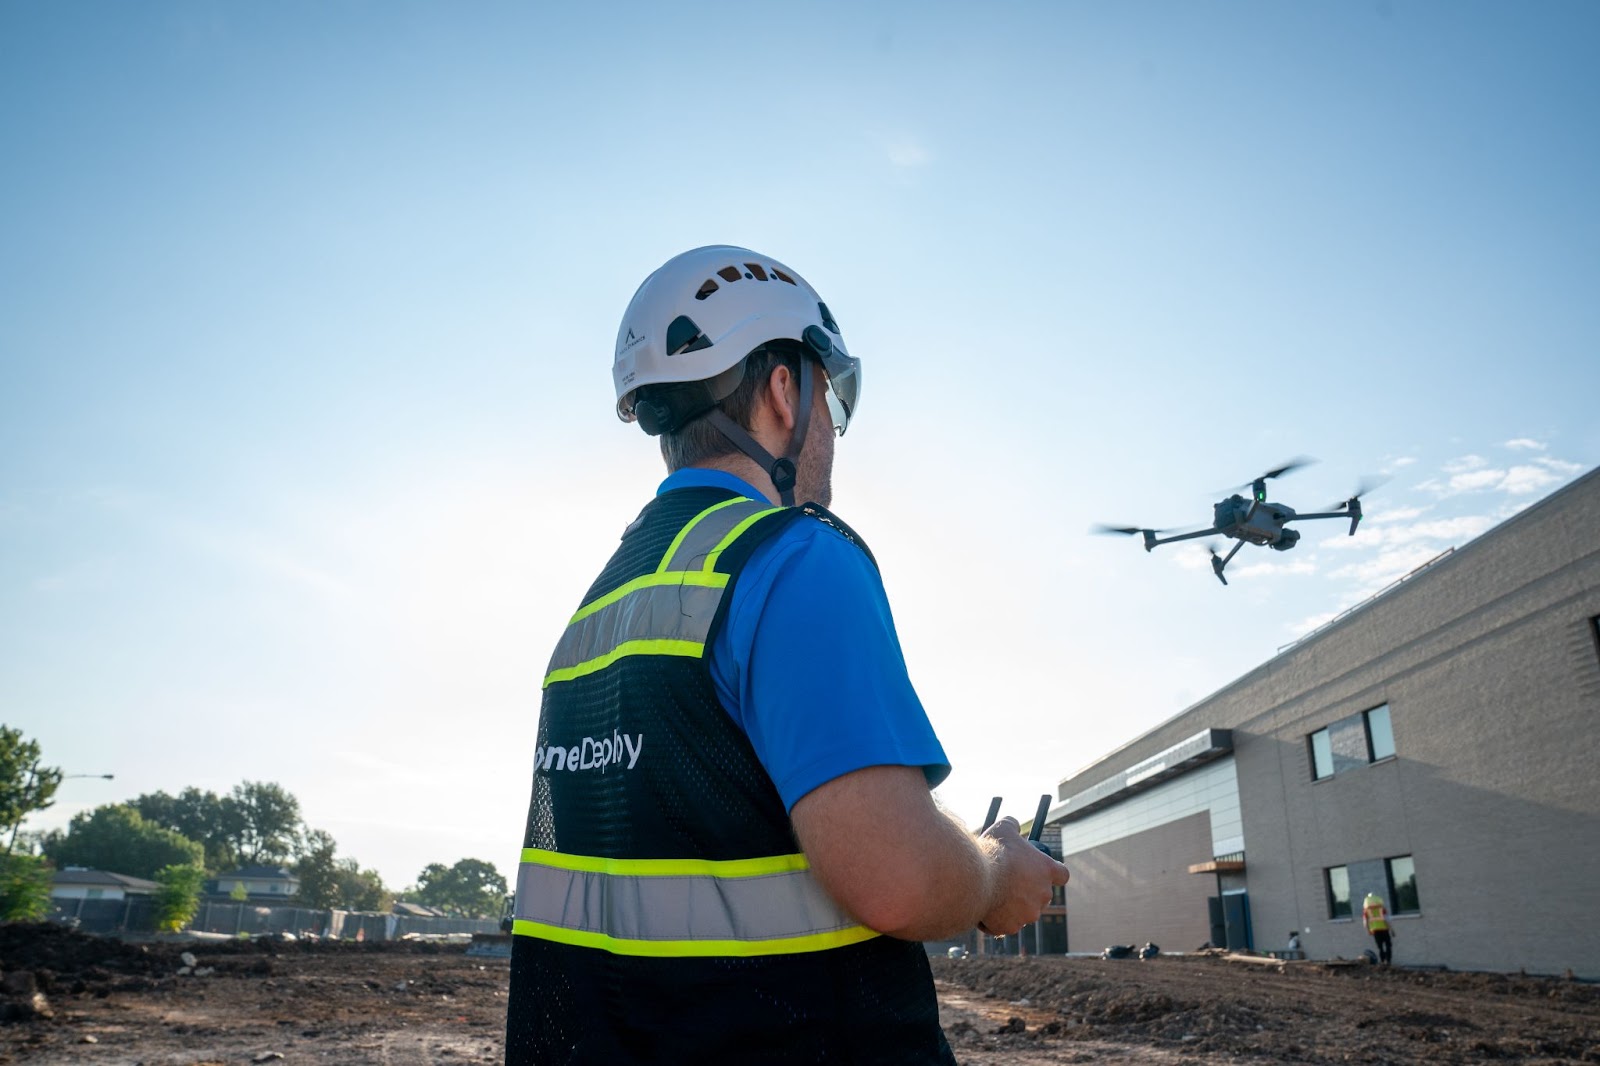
x=1366, y=485
x=1129, y=531
x=1217, y=561
x=1287, y=468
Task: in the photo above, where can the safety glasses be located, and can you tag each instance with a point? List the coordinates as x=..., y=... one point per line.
x=843, y=377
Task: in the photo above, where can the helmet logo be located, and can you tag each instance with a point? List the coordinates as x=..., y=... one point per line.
x=631, y=341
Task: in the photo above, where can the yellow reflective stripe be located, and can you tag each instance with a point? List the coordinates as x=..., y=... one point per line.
x=690, y=648
x=672, y=549
x=687, y=577
x=790, y=945
x=595, y=864
x=734, y=534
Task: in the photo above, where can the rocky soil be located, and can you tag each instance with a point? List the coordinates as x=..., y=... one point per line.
x=70, y=998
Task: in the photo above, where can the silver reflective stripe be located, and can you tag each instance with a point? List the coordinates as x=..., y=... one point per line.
x=708, y=531
x=673, y=611
x=668, y=908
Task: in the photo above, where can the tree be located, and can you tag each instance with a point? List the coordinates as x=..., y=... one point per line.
x=471, y=888
x=117, y=839
x=215, y=821
x=318, y=870
x=24, y=888
x=362, y=890
x=179, y=895
x=25, y=786
x=328, y=881
x=268, y=823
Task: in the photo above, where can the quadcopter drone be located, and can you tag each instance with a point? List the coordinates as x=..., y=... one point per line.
x=1253, y=521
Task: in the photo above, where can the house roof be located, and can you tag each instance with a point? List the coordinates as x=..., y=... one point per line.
x=258, y=873
x=417, y=910
x=102, y=879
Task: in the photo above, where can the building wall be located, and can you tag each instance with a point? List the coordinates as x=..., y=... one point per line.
x=1213, y=788
x=1489, y=664
x=1138, y=889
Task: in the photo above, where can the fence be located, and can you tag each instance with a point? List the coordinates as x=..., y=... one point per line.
x=136, y=914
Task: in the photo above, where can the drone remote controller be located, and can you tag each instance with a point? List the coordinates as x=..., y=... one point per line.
x=1038, y=821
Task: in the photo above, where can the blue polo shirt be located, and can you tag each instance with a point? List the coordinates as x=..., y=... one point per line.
x=808, y=663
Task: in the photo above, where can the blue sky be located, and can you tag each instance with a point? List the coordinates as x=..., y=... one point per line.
x=306, y=312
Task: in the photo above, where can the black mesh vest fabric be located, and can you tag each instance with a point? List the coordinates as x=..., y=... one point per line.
x=697, y=791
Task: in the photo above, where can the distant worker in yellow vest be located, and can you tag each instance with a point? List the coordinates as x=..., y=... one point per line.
x=1376, y=917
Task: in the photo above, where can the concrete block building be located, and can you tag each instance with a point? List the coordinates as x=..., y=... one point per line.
x=1436, y=745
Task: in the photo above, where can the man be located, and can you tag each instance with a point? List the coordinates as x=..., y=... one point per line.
x=1376, y=918
x=731, y=849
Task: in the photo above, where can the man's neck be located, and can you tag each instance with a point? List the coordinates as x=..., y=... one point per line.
x=746, y=469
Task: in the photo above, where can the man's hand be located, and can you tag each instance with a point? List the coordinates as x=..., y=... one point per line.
x=885, y=852
x=1024, y=878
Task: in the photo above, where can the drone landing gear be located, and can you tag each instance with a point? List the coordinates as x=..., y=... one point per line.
x=1220, y=561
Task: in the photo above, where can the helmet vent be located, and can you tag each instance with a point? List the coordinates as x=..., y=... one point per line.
x=827, y=318
x=781, y=276
x=729, y=273
x=707, y=287
x=755, y=268
x=684, y=336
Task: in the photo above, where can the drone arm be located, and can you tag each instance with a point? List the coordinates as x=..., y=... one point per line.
x=1151, y=542
x=1351, y=510
x=1218, y=562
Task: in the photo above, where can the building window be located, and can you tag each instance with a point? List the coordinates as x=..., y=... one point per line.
x=1403, y=885
x=1352, y=742
x=1380, y=738
x=1339, y=892
x=95, y=893
x=1321, y=755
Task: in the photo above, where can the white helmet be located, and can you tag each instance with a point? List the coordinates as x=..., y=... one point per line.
x=693, y=321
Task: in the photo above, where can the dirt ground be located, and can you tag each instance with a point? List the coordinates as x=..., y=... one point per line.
x=70, y=998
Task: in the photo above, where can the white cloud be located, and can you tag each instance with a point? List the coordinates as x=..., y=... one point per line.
x=1452, y=530
x=1389, y=564
x=1398, y=514
x=1521, y=480
x=1525, y=444
x=1404, y=460
x=1465, y=463
x=1471, y=474
x=907, y=152
x=1274, y=568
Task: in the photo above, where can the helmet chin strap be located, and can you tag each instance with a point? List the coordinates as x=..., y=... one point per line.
x=782, y=471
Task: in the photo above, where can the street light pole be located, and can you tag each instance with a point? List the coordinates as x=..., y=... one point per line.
x=33, y=773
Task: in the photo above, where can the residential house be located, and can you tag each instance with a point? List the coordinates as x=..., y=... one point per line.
x=80, y=882
x=261, y=883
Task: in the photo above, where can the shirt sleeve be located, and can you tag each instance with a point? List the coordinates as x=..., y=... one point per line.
x=809, y=665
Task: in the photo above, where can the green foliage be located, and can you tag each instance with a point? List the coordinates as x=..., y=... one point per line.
x=216, y=822
x=471, y=888
x=117, y=839
x=179, y=895
x=328, y=881
x=269, y=823
x=24, y=888
x=257, y=823
x=25, y=786
x=318, y=871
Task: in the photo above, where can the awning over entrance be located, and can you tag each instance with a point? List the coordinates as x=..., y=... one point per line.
x=1219, y=866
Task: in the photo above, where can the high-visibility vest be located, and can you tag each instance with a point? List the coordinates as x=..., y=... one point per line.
x=664, y=911
x=1375, y=916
